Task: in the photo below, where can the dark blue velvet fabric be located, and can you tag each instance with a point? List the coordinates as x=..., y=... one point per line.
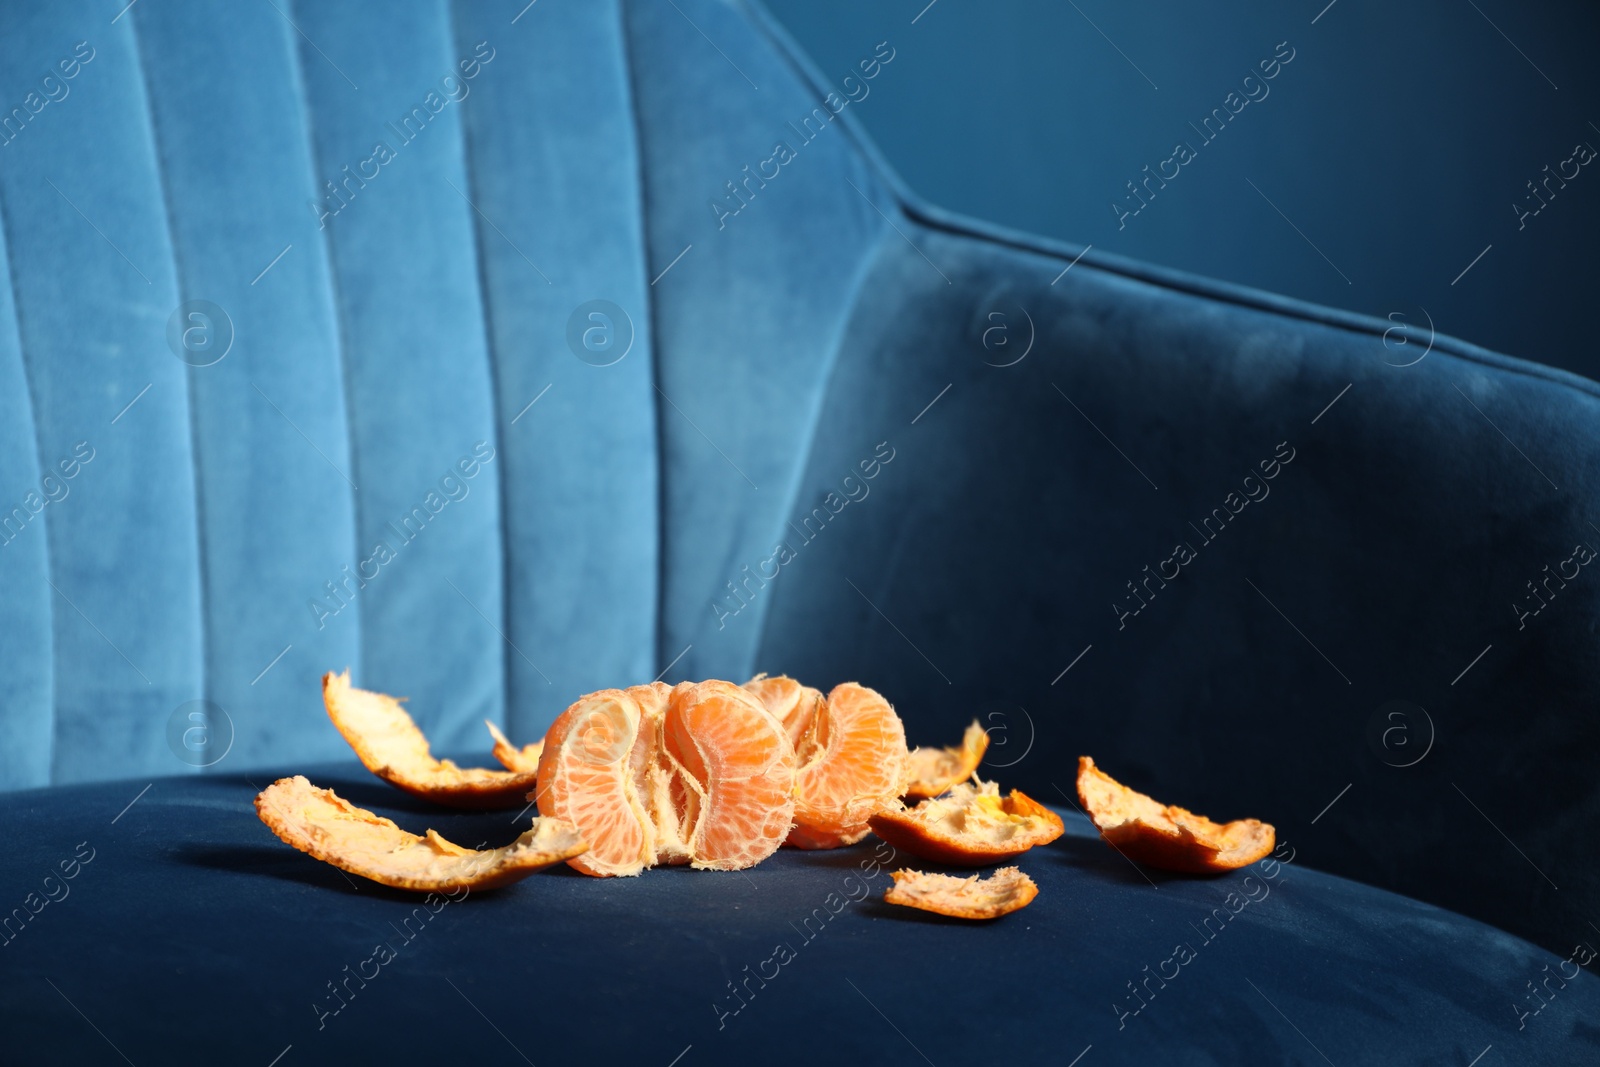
x=192, y=935
x=1058, y=122
x=854, y=437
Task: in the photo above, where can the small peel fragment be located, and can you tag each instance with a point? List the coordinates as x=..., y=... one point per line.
x=524, y=760
x=973, y=897
x=323, y=824
x=970, y=826
x=1165, y=837
x=390, y=745
x=934, y=770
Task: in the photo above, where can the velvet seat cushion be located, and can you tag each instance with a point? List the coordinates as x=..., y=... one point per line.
x=188, y=933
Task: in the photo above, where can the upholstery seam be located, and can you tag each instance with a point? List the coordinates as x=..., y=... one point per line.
x=196, y=482
x=629, y=73
x=933, y=217
x=492, y=356
x=340, y=329
x=1241, y=296
x=38, y=450
x=868, y=262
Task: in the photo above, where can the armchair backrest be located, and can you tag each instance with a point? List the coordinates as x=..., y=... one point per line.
x=460, y=344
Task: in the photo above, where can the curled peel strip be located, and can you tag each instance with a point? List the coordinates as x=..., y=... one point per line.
x=390, y=745
x=1166, y=837
x=933, y=770
x=323, y=824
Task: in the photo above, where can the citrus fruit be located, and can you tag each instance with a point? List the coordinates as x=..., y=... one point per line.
x=1003, y=892
x=322, y=824
x=970, y=826
x=524, y=760
x=700, y=774
x=933, y=770
x=1168, y=838
x=795, y=705
x=588, y=776
x=851, y=763
x=390, y=745
x=738, y=767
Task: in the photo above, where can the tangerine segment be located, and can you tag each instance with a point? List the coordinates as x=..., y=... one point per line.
x=587, y=778
x=322, y=824
x=852, y=764
x=795, y=705
x=699, y=774
x=524, y=760
x=1168, y=838
x=736, y=770
x=389, y=744
x=1003, y=892
x=970, y=826
x=933, y=770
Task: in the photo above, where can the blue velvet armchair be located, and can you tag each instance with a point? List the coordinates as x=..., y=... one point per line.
x=505, y=351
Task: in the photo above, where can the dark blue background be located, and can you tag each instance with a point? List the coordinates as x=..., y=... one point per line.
x=1397, y=140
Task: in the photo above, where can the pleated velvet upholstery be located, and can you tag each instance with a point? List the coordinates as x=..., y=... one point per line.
x=554, y=166
x=301, y=505
x=270, y=430
x=396, y=311
x=119, y=556
x=28, y=684
x=743, y=369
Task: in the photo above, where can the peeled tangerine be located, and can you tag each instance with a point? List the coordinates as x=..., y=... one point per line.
x=970, y=826
x=1003, y=892
x=1167, y=838
x=933, y=770
x=850, y=755
x=390, y=745
x=700, y=774
x=323, y=824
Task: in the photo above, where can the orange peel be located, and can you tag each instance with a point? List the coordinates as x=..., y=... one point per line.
x=973, y=897
x=524, y=760
x=933, y=770
x=389, y=744
x=323, y=824
x=1165, y=837
x=971, y=826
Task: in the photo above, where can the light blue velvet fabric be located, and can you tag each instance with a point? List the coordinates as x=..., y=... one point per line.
x=391, y=313
x=93, y=283
x=810, y=460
